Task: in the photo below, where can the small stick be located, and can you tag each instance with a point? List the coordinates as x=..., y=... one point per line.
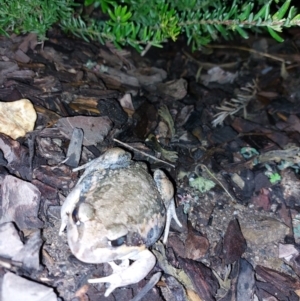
x=141, y=152
x=211, y=174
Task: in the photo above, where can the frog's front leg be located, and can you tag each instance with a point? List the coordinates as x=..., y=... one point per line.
x=125, y=274
x=68, y=207
x=166, y=190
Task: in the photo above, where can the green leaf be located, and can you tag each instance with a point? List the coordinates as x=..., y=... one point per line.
x=156, y=44
x=104, y=6
x=3, y=32
x=88, y=2
x=145, y=34
x=274, y=178
x=118, y=46
x=112, y=15
x=212, y=32
x=275, y=35
x=292, y=12
x=118, y=10
x=263, y=12
x=123, y=10
x=242, y=32
x=250, y=18
x=295, y=20
x=283, y=9
x=222, y=30
x=126, y=17
x=247, y=10
x=202, y=184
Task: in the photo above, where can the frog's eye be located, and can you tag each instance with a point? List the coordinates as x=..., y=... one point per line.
x=75, y=216
x=118, y=242
x=82, y=213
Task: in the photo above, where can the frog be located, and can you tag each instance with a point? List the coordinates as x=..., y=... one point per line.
x=115, y=212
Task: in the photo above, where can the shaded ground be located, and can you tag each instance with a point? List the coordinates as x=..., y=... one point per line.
x=224, y=124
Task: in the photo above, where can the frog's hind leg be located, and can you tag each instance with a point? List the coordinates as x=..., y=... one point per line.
x=125, y=274
x=171, y=213
x=166, y=189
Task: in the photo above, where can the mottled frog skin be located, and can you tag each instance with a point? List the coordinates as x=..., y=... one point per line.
x=115, y=212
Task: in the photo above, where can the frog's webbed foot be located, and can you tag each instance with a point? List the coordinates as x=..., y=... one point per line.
x=166, y=189
x=125, y=274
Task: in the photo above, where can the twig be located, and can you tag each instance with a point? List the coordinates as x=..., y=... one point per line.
x=270, y=56
x=141, y=152
x=211, y=174
x=206, y=65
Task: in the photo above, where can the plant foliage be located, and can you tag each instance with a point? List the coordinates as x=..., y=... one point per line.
x=141, y=23
x=33, y=15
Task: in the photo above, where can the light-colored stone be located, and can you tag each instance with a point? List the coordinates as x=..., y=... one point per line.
x=17, y=118
x=20, y=203
x=263, y=230
x=10, y=243
x=17, y=288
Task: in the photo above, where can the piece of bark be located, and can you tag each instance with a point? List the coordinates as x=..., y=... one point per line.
x=21, y=57
x=17, y=157
x=263, y=287
x=175, y=89
x=149, y=75
x=95, y=128
x=118, y=80
x=204, y=281
x=60, y=177
x=280, y=280
x=196, y=246
x=47, y=192
x=173, y=291
x=48, y=84
x=50, y=150
x=5, y=69
x=234, y=243
x=74, y=149
x=245, y=282
x=113, y=110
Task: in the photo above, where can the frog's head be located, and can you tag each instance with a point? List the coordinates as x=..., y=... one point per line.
x=93, y=242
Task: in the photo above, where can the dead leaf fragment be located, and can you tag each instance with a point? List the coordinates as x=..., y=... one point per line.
x=196, y=246
x=234, y=243
x=17, y=118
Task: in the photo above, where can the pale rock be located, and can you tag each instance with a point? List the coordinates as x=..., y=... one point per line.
x=20, y=203
x=263, y=230
x=17, y=288
x=10, y=243
x=30, y=253
x=17, y=118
